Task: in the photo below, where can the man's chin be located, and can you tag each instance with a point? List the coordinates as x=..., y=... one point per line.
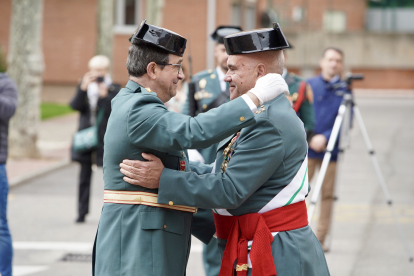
x=234, y=94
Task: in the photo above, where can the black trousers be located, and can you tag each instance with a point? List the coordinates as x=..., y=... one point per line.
x=84, y=188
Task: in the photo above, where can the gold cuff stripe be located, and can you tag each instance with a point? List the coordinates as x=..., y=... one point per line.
x=149, y=199
x=242, y=267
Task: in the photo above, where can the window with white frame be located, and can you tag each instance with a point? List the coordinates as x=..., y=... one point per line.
x=243, y=13
x=334, y=21
x=127, y=16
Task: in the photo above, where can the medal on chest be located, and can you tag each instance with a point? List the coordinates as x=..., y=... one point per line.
x=228, y=152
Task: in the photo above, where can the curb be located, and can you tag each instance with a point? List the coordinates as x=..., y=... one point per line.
x=16, y=181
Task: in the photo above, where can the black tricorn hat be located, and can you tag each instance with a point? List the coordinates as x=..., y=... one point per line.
x=160, y=37
x=223, y=31
x=256, y=41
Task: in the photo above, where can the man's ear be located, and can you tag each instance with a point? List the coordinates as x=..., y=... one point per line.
x=151, y=69
x=261, y=70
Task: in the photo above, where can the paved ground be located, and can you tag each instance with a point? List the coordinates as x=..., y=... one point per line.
x=365, y=240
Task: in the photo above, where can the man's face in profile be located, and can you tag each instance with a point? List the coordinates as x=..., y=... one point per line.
x=240, y=75
x=168, y=78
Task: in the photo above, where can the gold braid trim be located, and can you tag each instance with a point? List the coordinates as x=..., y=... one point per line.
x=242, y=267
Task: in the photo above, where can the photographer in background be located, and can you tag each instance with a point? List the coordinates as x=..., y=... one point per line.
x=328, y=92
x=8, y=105
x=93, y=95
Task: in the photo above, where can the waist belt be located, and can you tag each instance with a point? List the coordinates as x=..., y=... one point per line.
x=238, y=230
x=143, y=198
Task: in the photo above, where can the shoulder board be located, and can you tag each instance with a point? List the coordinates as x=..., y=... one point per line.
x=203, y=73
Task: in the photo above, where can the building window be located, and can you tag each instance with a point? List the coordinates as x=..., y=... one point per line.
x=236, y=15
x=243, y=13
x=127, y=16
x=334, y=21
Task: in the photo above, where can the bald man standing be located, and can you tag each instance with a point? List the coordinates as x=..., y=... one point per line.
x=258, y=183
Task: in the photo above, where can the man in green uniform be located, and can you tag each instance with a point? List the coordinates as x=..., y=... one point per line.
x=136, y=235
x=259, y=181
x=211, y=91
x=301, y=97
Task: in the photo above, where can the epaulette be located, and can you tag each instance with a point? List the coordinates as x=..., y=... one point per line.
x=203, y=74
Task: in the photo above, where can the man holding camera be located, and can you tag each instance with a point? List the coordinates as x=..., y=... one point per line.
x=328, y=92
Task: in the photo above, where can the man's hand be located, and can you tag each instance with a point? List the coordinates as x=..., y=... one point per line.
x=269, y=87
x=143, y=173
x=318, y=143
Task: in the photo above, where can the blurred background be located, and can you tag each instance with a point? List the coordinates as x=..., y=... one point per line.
x=45, y=47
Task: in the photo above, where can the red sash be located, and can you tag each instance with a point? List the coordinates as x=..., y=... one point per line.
x=238, y=230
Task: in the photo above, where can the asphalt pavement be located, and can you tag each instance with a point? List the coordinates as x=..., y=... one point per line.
x=365, y=240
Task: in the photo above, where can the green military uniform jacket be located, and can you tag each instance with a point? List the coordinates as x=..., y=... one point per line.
x=143, y=240
x=305, y=112
x=267, y=170
x=208, y=95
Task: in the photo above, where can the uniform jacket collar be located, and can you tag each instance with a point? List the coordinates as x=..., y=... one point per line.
x=132, y=85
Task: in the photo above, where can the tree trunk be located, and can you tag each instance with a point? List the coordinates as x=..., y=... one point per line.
x=105, y=28
x=25, y=67
x=154, y=12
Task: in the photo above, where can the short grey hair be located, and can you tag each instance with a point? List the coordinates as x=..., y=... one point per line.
x=140, y=54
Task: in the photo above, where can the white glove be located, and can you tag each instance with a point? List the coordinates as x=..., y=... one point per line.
x=269, y=87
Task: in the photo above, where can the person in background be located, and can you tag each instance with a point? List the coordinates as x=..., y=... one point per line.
x=176, y=103
x=301, y=97
x=95, y=92
x=328, y=95
x=211, y=92
x=8, y=105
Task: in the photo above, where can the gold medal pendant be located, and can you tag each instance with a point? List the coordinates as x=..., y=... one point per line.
x=228, y=152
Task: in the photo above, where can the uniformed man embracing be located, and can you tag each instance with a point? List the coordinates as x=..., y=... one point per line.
x=209, y=89
x=259, y=181
x=137, y=235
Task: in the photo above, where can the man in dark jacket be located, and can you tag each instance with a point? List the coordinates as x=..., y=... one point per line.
x=8, y=104
x=93, y=96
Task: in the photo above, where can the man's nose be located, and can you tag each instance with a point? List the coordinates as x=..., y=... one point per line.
x=181, y=75
x=227, y=78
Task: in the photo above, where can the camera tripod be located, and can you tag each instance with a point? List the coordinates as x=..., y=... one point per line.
x=341, y=127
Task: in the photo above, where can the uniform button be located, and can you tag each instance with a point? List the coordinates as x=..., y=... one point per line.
x=204, y=106
x=171, y=203
x=165, y=226
x=242, y=118
x=183, y=154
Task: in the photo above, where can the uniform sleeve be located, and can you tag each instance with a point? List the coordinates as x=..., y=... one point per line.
x=307, y=115
x=152, y=126
x=256, y=156
x=200, y=168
